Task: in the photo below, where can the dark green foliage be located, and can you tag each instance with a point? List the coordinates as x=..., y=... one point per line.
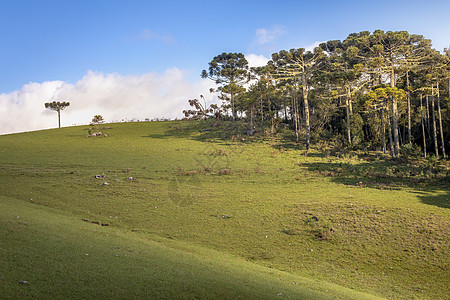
x=357, y=129
x=57, y=105
x=229, y=71
x=365, y=89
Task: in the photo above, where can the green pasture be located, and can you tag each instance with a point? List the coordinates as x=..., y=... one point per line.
x=194, y=213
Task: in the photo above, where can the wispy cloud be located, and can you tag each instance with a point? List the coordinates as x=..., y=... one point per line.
x=149, y=35
x=114, y=96
x=268, y=35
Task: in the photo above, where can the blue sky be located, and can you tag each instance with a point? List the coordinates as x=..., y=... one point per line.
x=49, y=47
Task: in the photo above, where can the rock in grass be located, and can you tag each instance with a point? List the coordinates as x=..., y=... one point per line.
x=23, y=282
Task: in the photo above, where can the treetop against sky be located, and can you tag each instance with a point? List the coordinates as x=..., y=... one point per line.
x=151, y=52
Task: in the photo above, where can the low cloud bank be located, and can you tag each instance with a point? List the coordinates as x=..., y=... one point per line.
x=116, y=97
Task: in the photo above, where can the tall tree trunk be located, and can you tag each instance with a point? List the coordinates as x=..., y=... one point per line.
x=347, y=109
x=434, y=127
x=251, y=118
x=350, y=107
x=401, y=135
x=59, y=118
x=272, y=125
x=295, y=115
x=285, y=113
x=428, y=116
x=423, y=129
x=292, y=109
x=233, y=112
x=306, y=108
x=299, y=114
x=408, y=98
x=270, y=114
x=395, y=121
x=383, y=125
x=296, y=122
x=391, y=144
x=440, y=121
x=394, y=112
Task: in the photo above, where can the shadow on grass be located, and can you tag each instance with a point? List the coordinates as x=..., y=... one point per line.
x=158, y=136
x=442, y=200
x=388, y=174
x=369, y=169
x=225, y=133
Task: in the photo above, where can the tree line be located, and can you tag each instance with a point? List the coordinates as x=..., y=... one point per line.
x=374, y=90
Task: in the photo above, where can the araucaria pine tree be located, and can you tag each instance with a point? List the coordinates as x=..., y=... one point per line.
x=58, y=107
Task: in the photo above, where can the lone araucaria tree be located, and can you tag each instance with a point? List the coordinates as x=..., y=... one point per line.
x=58, y=107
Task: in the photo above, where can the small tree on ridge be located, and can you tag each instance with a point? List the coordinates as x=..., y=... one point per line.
x=58, y=107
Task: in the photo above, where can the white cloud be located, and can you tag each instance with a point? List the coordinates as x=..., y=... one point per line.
x=255, y=60
x=114, y=96
x=268, y=35
x=312, y=46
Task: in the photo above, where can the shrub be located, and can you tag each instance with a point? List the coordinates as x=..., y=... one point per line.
x=410, y=150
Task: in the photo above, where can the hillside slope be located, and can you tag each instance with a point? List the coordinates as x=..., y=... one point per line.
x=46, y=254
x=349, y=221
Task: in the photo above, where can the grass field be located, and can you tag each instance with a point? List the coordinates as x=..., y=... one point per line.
x=208, y=214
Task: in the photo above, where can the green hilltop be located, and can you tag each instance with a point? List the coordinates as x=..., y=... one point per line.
x=184, y=210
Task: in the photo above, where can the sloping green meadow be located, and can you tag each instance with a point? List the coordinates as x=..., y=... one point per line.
x=48, y=255
x=188, y=214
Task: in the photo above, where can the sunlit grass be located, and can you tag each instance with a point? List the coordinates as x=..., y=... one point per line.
x=47, y=255
x=335, y=219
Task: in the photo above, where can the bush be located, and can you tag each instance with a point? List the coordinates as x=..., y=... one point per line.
x=410, y=150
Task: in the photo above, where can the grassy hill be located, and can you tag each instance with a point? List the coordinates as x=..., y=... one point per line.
x=191, y=214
